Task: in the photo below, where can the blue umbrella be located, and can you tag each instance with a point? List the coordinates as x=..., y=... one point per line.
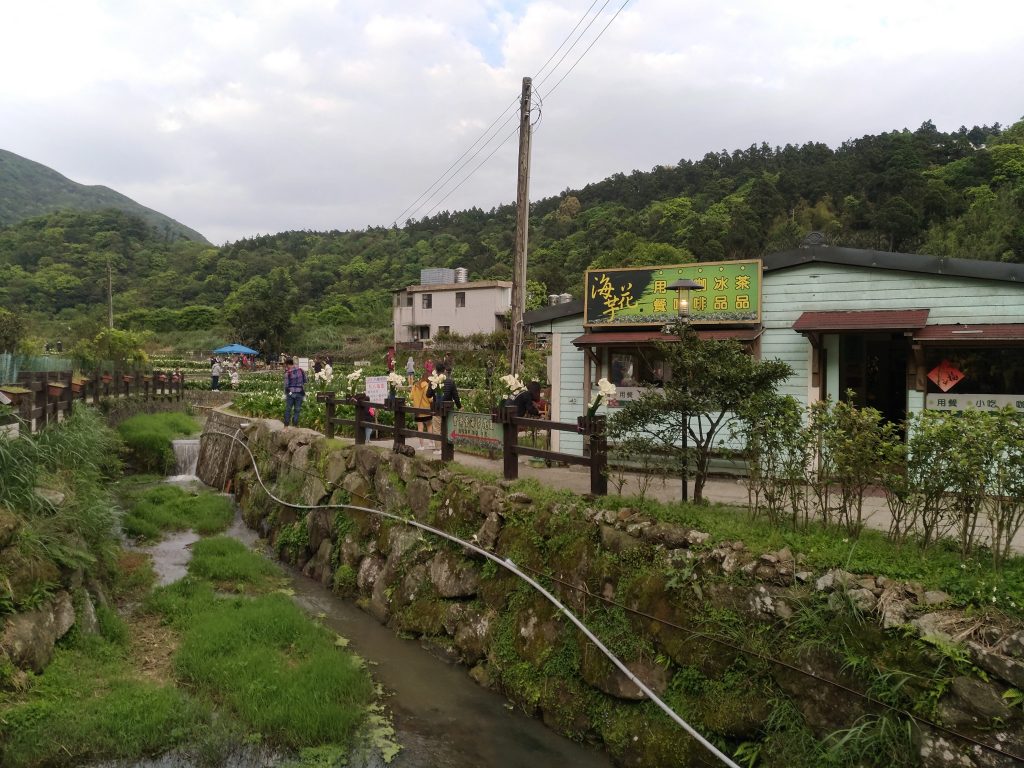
x=235, y=349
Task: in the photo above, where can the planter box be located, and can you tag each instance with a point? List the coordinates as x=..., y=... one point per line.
x=14, y=393
x=56, y=390
x=127, y=379
x=106, y=378
x=76, y=386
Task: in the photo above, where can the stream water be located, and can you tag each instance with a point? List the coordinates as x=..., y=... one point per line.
x=186, y=458
x=442, y=718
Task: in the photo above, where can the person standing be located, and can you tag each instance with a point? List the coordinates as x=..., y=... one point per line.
x=389, y=358
x=419, y=398
x=215, y=372
x=449, y=393
x=410, y=370
x=488, y=373
x=294, y=391
x=234, y=378
x=428, y=366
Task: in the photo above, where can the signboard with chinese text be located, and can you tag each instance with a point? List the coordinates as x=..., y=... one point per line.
x=958, y=402
x=377, y=388
x=945, y=375
x=641, y=296
x=474, y=429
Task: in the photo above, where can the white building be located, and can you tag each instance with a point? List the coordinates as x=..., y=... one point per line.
x=421, y=312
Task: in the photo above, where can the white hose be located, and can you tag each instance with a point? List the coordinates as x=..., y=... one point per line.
x=510, y=566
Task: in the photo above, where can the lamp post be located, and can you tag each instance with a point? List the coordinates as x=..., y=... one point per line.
x=682, y=287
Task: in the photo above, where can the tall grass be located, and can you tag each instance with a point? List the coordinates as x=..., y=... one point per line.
x=147, y=438
x=278, y=672
x=169, y=508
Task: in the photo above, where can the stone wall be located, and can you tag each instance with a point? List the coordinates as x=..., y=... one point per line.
x=655, y=591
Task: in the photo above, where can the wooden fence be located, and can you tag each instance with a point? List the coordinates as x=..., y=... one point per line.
x=592, y=428
x=44, y=397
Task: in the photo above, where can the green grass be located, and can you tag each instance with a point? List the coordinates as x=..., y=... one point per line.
x=169, y=508
x=147, y=439
x=221, y=559
x=88, y=705
x=279, y=673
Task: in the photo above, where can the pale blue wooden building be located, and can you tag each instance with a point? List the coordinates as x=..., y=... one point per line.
x=902, y=331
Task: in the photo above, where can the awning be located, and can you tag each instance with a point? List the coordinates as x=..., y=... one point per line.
x=633, y=338
x=968, y=334
x=861, y=320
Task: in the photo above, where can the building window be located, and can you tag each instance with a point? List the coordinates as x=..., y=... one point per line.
x=636, y=368
x=428, y=301
x=444, y=329
x=460, y=299
x=423, y=333
x=408, y=299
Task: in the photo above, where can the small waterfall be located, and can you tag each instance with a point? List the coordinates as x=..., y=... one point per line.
x=186, y=456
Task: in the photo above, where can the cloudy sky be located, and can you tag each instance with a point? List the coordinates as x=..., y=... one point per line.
x=240, y=118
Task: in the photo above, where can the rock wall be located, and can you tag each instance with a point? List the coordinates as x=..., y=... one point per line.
x=677, y=608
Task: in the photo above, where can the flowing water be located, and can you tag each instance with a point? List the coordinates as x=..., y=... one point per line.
x=186, y=458
x=442, y=718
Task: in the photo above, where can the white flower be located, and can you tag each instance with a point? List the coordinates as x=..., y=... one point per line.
x=396, y=380
x=606, y=388
x=437, y=379
x=512, y=383
x=355, y=375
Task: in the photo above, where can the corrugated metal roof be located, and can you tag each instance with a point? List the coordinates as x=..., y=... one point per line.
x=971, y=333
x=862, y=320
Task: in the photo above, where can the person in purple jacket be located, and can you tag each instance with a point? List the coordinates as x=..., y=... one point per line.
x=294, y=391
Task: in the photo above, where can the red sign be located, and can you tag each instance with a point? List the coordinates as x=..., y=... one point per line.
x=945, y=375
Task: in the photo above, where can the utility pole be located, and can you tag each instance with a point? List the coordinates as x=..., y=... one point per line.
x=515, y=352
x=110, y=295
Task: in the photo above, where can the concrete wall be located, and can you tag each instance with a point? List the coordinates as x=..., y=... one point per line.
x=484, y=309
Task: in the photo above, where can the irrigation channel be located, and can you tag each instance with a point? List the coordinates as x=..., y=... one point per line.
x=442, y=719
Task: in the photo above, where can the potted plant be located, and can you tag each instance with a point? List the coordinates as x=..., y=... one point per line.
x=55, y=388
x=14, y=393
x=78, y=382
x=106, y=377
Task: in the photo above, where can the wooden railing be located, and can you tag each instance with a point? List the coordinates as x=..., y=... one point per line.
x=42, y=397
x=592, y=428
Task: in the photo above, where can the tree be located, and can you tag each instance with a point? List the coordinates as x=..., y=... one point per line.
x=708, y=383
x=260, y=310
x=112, y=347
x=12, y=329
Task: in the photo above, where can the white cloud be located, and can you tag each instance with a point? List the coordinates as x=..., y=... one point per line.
x=320, y=114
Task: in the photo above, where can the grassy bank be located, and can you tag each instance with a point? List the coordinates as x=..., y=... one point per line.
x=154, y=511
x=147, y=439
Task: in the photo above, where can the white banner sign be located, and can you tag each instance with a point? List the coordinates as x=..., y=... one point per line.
x=377, y=388
x=962, y=402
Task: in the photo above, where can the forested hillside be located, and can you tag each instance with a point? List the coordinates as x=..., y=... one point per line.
x=955, y=194
x=30, y=189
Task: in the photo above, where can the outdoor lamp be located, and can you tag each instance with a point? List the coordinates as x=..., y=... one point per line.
x=683, y=299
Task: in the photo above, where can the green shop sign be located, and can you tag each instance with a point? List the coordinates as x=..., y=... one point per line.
x=641, y=296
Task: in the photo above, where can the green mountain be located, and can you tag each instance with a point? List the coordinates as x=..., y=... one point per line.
x=958, y=194
x=29, y=189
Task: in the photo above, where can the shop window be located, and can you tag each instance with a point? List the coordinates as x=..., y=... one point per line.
x=460, y=299
x=635, y=368
x=428, y=301
x=978, y=371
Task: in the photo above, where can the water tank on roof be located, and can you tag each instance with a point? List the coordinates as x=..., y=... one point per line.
x=564, y=298
x=461, y=275
x=437, y=276
x=552, y=299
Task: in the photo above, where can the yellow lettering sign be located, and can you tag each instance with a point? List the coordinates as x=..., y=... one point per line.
x=743, y=282
x=660, y=285
x=742, y=301
x=721, y=283
x=721, y=302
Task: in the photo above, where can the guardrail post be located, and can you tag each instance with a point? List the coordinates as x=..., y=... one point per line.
x=598, y=456
x=330, y=404
x=447, y=446
x=398, y=409
x=509, y=442
x=361, y=416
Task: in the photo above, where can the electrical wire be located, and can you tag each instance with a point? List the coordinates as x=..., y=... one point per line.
x=449, y=173
x=510, y=566
x=692, y=635
x=587, y=50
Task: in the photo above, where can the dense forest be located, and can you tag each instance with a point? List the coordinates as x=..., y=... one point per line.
x=957, y=194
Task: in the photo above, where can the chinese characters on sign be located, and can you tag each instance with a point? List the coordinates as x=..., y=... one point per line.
x=945, y=375
x=730, y=293
x=958, y=402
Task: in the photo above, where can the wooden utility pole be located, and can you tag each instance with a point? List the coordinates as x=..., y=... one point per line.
x=515, y=352
x=110, y=295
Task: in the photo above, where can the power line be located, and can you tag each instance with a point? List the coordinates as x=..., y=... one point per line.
x=576, y=41
x=449, y=173
x=621, y=7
